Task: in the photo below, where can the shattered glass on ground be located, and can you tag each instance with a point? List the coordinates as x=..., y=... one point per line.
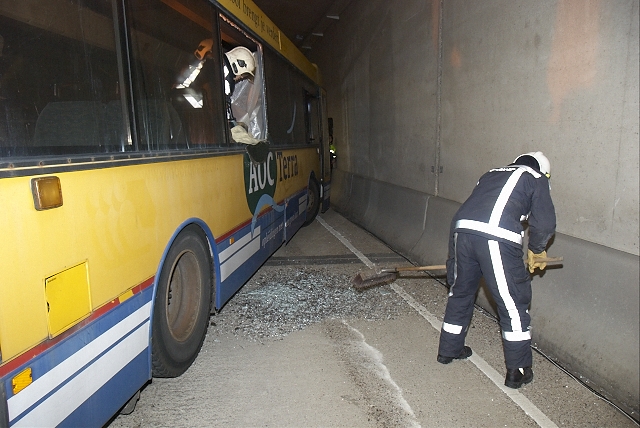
x=280, y=300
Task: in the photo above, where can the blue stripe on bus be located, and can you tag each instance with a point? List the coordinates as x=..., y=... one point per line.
x=326, y=196
x=296, y=214
x=272, y=230
x=270, y=227
x=79, y=377
x=69, y=364
x=106, y=402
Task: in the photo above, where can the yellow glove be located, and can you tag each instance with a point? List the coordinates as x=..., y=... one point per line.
x=533, y=260
x=240, y=135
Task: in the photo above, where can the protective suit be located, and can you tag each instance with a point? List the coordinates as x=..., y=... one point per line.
x=486, y=241
x=238, y=62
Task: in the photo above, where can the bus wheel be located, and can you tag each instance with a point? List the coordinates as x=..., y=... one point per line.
x=181, y=309
x=313, y=202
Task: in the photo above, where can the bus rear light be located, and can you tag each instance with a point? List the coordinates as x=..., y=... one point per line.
x=47, y=192
x=21, y=381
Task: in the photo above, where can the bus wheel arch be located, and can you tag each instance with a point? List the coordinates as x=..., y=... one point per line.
x=313, y=200
x=182, y=303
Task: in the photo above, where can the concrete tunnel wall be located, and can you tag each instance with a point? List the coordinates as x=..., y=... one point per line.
x=427, y=96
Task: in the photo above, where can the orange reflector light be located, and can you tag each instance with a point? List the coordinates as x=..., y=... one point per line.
x=47, y=192
x=21, y=381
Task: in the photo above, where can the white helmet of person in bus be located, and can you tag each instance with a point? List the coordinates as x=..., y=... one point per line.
x=242, y=61
x=544, y=166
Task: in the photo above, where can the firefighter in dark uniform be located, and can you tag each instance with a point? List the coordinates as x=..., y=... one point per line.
x=486, y=241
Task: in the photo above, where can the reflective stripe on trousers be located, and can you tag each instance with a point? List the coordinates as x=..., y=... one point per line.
x=504, y=272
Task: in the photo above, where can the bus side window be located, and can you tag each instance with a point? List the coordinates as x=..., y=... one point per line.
x=56, y=80
x=70, y=123
x=287, y=102
x=161, y=124
x=281, y=106
x=177, y=105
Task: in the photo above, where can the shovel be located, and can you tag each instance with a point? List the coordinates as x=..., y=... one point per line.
x=365, y=280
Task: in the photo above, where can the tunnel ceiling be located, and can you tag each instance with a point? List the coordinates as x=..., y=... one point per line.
x=303, y=22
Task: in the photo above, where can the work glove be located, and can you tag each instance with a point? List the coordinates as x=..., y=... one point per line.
x=533, y=260
x=240, y=135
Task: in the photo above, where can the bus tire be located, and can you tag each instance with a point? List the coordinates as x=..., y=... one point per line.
x=182, y=303
x=313, y=202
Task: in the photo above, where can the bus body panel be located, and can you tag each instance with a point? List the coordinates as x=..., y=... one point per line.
x=296, y=214
x=79, y=280
x=242, y=253
x=326, y=196
x=119, y=220
x=92, y=226
x=88, y=372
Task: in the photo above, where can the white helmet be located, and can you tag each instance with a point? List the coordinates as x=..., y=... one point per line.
x=203, y=49
x=543, y=162
x=241, y=61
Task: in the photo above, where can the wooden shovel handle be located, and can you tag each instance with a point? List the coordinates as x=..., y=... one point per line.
x=444, y=267
x=550, y=260
x=416, y=268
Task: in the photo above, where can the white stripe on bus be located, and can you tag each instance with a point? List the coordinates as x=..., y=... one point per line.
x=236, y=246
x=57, y=407
x=67, y=368
x=241, y=255
x=302, y=204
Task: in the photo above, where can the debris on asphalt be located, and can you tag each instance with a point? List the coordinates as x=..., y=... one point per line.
x=280, y=300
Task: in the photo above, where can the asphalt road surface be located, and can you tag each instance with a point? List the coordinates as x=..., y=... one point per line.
x=299, y=347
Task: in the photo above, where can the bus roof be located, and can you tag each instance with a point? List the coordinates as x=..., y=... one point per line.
x=251, y=15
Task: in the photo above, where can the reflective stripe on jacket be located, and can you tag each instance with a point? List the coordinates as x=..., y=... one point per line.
x=502, y=200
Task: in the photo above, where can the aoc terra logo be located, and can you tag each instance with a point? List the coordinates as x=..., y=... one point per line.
x=260, y=182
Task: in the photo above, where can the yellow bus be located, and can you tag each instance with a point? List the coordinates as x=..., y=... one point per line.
x=128, y=212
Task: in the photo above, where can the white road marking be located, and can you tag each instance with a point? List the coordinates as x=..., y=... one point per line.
x=383, y=372
x=523, y=402
x=516, y=396
x=347, y=244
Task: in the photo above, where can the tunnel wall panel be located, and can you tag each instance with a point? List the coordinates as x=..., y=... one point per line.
x=585, y=315
x=398, y=214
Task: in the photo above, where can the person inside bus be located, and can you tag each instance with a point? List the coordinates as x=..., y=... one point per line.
x=238, y=64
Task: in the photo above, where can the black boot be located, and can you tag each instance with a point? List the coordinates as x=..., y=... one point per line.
x=465, y=353
x=518, y=377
